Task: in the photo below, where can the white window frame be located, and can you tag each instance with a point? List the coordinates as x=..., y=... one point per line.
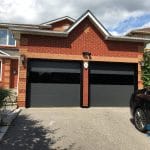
x=1, y=69
x=7, y=39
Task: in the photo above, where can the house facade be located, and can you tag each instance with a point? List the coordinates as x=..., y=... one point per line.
x=73, y=63
x=9, y=56
x=143, y=33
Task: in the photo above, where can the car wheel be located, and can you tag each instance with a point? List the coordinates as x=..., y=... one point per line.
x=140, y=119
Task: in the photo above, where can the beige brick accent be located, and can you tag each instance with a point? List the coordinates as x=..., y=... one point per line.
x=6, y=78
x=140, y=82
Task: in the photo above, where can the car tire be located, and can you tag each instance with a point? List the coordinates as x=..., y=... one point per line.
x=140, y=120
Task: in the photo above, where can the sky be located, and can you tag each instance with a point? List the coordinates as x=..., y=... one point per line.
x=118, y=16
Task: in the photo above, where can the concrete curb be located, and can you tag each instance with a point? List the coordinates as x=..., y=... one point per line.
x=8, y=120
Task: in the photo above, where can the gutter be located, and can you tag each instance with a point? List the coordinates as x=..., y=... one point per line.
x=65, y=34
x=28, y=26
x=39, y=32
x=127, y=39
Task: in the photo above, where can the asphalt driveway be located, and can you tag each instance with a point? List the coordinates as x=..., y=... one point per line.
x=74, y=128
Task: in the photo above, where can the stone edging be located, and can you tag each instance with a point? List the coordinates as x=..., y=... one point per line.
x=9, y=119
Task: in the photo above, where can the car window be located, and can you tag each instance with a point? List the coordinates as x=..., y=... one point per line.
x=143, y=91
x=148, y=92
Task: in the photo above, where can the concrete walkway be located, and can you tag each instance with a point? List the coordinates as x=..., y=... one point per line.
x=74, y=128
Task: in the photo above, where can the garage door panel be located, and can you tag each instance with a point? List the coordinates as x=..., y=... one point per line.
x=53, y=83
x=49, y=95
x=55, y=70
x=111, y=84
x=53, y=66
x=112, y=67
x=119, y=72
x=111, y=95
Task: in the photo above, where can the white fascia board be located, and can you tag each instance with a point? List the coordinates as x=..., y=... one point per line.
x=11, y=57
x=98, y=25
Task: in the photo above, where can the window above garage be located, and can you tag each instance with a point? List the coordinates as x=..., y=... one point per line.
x=6, y=38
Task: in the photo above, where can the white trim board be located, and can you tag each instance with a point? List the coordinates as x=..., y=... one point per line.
x=3, y=53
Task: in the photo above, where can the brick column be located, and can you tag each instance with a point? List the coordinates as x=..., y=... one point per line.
x=22, y=81
x=85, y=102
x=22, y=87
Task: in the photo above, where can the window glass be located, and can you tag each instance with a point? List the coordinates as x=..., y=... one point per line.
x=142, y=91
x=11, y=40
x=6, y=37
x=148, y=91
x=3, y=37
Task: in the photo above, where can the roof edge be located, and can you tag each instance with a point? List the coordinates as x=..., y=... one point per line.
x=65, y=34
x=95, y=21
x=59, y=19
x=127, y=39
x=39, y=32
x=92, y=18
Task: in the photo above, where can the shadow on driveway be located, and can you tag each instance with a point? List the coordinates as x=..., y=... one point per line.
x=28, y=134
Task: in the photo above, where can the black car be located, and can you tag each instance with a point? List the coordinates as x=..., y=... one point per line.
x=140, y=109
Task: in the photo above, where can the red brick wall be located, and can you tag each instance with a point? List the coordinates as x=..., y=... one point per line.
x=83, y=38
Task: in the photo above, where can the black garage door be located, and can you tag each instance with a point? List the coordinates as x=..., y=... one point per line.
x=112, y=84
x=53, y=83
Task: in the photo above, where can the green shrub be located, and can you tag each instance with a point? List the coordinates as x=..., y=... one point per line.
x=3, y=94
x=146, y=69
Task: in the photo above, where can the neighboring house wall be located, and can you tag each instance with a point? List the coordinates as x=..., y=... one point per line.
x=147, y=47
x=5, y=82
x=142, y=35
x=84, y=37
x=8, y=78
